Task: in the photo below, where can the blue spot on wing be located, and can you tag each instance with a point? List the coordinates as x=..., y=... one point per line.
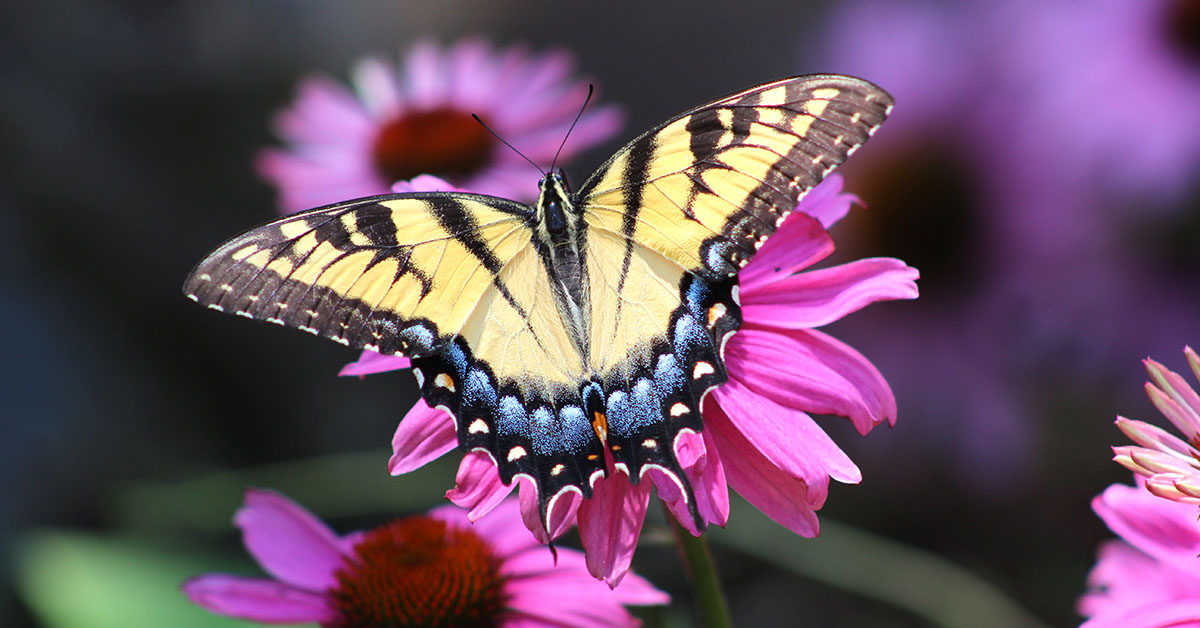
x=576, y=429
x=478, y=390
x=511, y=417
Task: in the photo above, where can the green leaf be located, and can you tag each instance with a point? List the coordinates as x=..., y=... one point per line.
x=77, y=580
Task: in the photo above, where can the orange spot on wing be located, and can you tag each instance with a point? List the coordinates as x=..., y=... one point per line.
x=600, y=426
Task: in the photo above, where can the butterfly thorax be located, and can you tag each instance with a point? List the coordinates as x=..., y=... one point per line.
x=559, y=235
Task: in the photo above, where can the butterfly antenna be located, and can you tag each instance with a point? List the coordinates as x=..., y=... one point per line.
x=591, y=88
x=505, y=142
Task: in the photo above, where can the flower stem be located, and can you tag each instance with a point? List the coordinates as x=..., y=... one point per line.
x=702, y=574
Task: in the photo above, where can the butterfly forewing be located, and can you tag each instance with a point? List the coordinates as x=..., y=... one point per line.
x=396, y=274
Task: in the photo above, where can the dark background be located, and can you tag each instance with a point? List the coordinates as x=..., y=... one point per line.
x=130, y=415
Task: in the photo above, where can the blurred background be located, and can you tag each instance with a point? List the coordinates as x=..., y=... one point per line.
x=1039, y=170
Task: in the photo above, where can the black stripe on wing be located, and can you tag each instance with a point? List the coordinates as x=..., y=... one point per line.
x=325, y=271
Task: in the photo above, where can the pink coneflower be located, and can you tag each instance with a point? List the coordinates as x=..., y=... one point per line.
x=759, y=438
x=1151, y=578
x=400, y=123
x=427, y=570
x=1170, y=465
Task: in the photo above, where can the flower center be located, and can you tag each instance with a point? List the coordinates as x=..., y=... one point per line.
x=1183, y=27
x=441, y=141
x=419, y=572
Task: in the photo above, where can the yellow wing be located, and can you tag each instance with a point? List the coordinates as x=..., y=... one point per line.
x=673, y=216
x=455, y=281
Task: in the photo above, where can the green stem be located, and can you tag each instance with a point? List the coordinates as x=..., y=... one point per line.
x=702, y=574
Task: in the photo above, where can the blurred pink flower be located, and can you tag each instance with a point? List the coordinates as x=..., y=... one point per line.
x=400, y=123
x=1151, y=578
x=1170, y=465
x=436, y=569
x=1079, y=71
x=759, y=438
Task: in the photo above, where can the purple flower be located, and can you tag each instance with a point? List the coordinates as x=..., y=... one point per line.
x=436, y=569
x=759, y=437
x=1151, y=578
x=400, y=123
x=1170, y=465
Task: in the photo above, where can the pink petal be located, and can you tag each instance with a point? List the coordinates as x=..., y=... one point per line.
x=424, y=434
x=259, y=599
x=1178, y=406
x=324, y=113
x=799, y=243
x=820, y=297
x=573, y=598
x=810, y=371
x=702, y=466
x=779, y=495
x=1162, y=528
x=477, y=487
x=826, y=202
x=610, y=523
x=559, y=519
x=1178, y=613
x=371, y=362
x=790, y=439
x=378, y=88
x=288, y=541
x=498, y=529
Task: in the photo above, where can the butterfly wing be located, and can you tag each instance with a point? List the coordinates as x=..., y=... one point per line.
x=454, y=281
x=673, y=216
x=397, y=274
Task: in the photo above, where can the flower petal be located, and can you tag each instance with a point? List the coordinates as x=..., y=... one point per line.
x=810, y=371
x=477, y=486
x=506, y=539
x=779, y=495
x=565, y=597
x=1162, y=528
x=424, y=434
x=820, y=297
x=559, y=519
x=258, y=599
x=702, y=466
x=371, y=362
x=1177, y=613
x=288, y=541
x=790, y=439
x=799, y=243
x=610, y=523
x=826, y=202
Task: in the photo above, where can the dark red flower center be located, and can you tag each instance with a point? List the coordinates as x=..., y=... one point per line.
x=419, y=572
x=441, y=141
x=1183, y=27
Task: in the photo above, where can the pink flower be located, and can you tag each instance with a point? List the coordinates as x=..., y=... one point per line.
x=417, y=120
x=1152, y=577
x=435, y=569
x=759, y=438
x=1170, y=465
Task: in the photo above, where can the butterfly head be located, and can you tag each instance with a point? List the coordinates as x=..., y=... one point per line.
x=555, y=209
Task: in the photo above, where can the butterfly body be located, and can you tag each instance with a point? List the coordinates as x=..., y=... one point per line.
x=579, y=336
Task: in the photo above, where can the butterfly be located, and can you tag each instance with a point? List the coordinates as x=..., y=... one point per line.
x=579, y=336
